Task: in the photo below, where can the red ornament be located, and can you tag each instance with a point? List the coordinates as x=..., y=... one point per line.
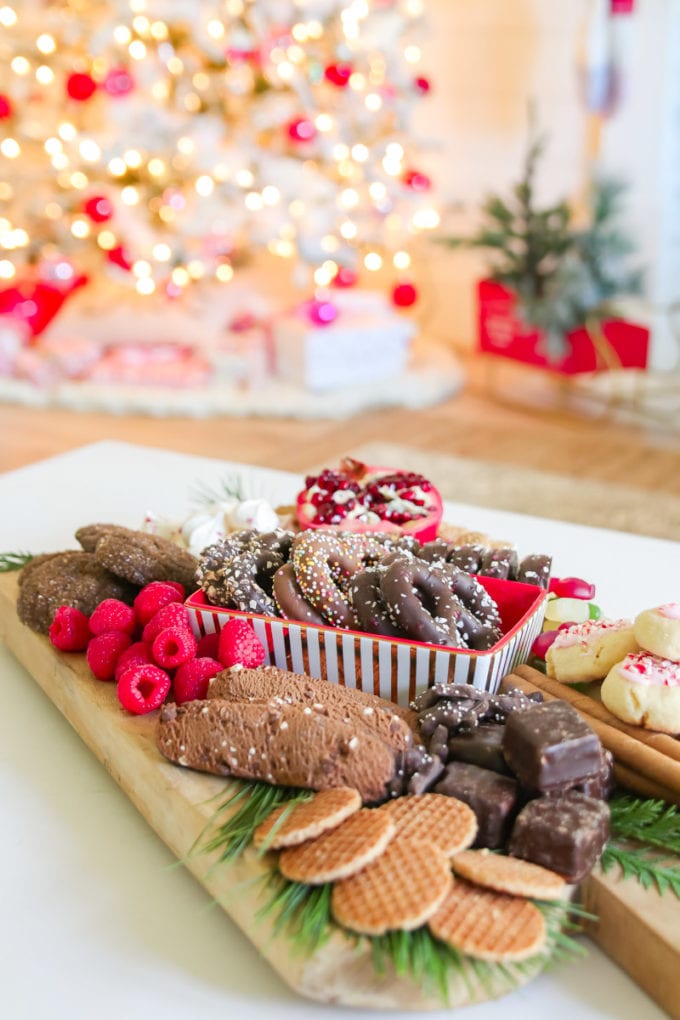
x=417, y=181
x=345, y=277
x=5, y=107
x=322, y=313
x=80, y=87
x=404, y=295
x=338, y=74
x=422, y=85
x=301, y=130
x=118, y=82
x=118, y=257
x=98, y=208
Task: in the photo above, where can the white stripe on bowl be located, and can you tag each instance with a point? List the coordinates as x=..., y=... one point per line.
x=441, y=667
x=296, y=657
x=366, y=652
x=403, y=673
x=348, y=660
x=313, y=652
x=385, y=668
x=279, y=646
x=422, y=667
x=331, y=649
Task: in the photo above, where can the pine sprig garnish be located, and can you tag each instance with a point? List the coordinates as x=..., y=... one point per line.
x=649, y=870
x=302, y=911
x=643, y=834
x=10, y=561
x=648, y=821
x=229, y=487
x=247, y=807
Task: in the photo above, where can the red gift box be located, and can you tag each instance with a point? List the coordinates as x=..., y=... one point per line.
x=621, y=344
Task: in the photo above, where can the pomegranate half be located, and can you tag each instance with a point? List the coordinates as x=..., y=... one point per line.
x=368, y=498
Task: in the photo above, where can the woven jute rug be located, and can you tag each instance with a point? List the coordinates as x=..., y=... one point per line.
x=523, y=490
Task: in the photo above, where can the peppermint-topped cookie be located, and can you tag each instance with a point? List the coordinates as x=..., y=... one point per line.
x=645, y=690
x=587, y=651
x=658, y=630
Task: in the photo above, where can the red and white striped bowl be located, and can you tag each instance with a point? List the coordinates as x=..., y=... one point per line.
x=392, y=668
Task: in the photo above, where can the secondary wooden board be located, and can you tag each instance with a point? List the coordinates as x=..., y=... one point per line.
x=179, y=805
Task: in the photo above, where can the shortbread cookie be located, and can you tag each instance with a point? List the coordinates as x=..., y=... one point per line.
x=398, y=891
x=489, y=925
x=508, y=875
x=645, y=690
x=291, y=824
x=587, y=651
x=71, y=578
x=448, y=823
x=658, y=630
x=341, y=852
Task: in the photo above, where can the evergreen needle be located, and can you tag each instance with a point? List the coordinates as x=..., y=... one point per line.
x=10, y=561
x=649, y=870
x=648, y=821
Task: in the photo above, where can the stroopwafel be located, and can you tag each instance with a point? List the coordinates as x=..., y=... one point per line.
x=341, y=851
x=288, y=826
x=448, y=823
x=398, y=891
x=509, y=875
x=489, y=925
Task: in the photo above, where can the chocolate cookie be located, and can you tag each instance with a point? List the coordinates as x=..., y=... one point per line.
x=139, y=557
x=72, y=578
x=89, y=534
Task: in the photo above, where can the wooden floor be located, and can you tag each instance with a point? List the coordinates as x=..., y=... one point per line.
x=472, y=424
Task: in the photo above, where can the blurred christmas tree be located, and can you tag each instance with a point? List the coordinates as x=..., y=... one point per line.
x=165, y=141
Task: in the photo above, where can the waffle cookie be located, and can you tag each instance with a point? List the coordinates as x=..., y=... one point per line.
x=400, y=890
x=508, y=875
x=431, y=817
x=290, y=825
x=489, y=925
x=340, y=852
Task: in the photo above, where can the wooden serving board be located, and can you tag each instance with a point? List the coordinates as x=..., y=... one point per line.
x=175, y=802
x=637, y=928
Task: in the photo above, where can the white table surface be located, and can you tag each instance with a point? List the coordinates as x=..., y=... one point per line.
x=96, y=920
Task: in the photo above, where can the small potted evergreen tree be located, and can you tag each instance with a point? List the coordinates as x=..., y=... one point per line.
x=550, y=295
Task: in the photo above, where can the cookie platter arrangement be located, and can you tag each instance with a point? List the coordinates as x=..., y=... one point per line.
x=342, y=723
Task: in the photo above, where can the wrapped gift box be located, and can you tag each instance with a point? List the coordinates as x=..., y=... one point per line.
x=502, y=332
x=368, y=341
x=394, y=669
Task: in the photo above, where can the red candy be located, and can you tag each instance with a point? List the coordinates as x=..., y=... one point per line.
x=572, y=588
x=155, y=596
x=192, y=679
x=143, y=688
x=112, y=614
x=104, y=651
x=173, y=647
x=70, y=630
x=173, y=615
x=542, y=643
x=239, y=645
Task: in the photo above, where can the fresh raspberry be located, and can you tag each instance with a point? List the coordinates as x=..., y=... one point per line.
x=70, y=630
x=191, y=680
x=103, y=653
x=240, y=645
x=207, y=646
x=173, y=615
x=154, y=596
x=112, y=614
x=143, y=688
x=173, y=647
x=137, y=654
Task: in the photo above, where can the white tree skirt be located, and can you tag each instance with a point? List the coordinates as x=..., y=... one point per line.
x=433, y=375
